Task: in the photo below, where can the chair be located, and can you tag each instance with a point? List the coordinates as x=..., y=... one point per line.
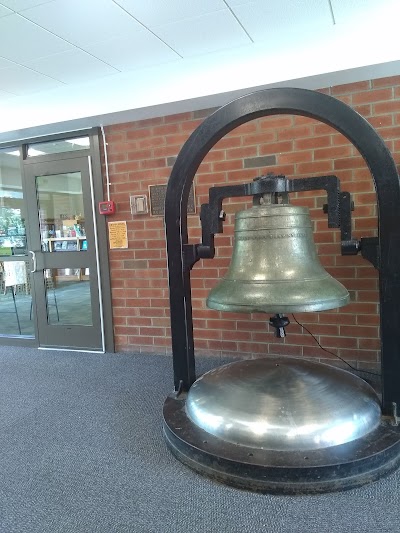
x=49, y=285
x=14, y=275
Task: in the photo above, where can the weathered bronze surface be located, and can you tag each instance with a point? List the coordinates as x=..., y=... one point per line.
x=275, y=266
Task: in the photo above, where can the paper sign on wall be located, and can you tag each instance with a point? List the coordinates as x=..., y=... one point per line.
x=117, y=235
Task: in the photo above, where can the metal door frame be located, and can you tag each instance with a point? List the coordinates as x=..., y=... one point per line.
x=99, y=221
x=59, y=334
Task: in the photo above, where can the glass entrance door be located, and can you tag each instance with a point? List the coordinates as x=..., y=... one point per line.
x=64, y=263
x=15, y=287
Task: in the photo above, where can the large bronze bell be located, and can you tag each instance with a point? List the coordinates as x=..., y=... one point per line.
x=275, y=267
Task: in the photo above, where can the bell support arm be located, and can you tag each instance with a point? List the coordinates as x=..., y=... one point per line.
x=370, y=145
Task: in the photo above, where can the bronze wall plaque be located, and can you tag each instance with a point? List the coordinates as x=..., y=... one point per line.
x=157, y=200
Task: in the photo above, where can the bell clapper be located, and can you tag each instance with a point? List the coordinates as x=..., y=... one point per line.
x=279, y=322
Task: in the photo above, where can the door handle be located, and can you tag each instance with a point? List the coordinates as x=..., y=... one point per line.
x=34, y=269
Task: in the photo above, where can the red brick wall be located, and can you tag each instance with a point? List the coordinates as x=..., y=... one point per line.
x=142, y=153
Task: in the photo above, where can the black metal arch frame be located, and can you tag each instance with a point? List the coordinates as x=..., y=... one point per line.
x=383, y=170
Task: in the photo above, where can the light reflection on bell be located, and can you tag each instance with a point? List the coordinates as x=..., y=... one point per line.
x=275, y=267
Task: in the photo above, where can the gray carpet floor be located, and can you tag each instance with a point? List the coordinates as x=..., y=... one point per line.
x=82, y=451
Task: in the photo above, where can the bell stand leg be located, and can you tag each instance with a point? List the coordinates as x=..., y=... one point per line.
x=383, y=170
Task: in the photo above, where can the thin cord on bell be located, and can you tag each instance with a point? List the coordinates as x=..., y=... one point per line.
x=332, y=353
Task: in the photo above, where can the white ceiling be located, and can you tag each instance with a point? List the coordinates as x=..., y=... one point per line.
x=66, y=64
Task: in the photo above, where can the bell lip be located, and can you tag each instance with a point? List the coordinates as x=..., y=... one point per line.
x=311, y=305
x=272, y=308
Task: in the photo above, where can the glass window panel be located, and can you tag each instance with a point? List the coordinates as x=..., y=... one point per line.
x=12, y=209
x=15, y=299
x=61, y=212
x=68, y=297
x=57, y=147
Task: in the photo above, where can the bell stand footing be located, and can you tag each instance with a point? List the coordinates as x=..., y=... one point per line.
x=291, y=472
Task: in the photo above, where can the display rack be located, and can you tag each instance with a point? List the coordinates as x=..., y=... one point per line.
x=67, y=244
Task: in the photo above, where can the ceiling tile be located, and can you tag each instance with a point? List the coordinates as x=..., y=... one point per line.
x=82, y=22
x=4, y=11
x=261, y=18
x=138, y=49
x=35, y=42
x=358, y=11
x=19, y=5
x=232, y=3
x=4, y=63
x=6, y=95
x=208, y=33
x=154, y=13
x=71, y=66
x=20, y=80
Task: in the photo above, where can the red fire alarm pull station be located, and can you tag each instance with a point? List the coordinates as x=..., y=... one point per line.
x=107, y=208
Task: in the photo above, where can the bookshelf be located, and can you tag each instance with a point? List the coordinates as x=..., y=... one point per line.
x=68, y=244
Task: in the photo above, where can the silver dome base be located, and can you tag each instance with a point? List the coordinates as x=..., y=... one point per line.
x=282, y=426
x=283, y=404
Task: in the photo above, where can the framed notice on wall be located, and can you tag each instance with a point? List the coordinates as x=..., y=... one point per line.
x=157, y=200
x=117, y=235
